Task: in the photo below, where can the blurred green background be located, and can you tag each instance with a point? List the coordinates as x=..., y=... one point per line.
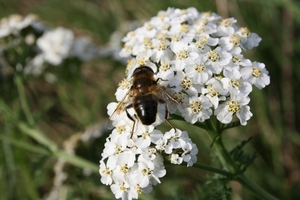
x=66, y=110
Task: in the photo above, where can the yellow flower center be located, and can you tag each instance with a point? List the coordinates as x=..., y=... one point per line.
x=125, y=169
x=226, y=22
x=161, y=16
x=145, y=134
x=201, y=27
x=183, y=54
x=138, y=189
x=122, y=187
x=202, y=42
x=165, y=66
x=200, y=68
x=161, y=36
x=256, y=72
x=121, y=129
x=145, y=171
x=196, y=107
x=130, y=63
x=118, y=149
x=107, y=171
x=124, y=84
x=235, y=40
x=176, y=38
x=186, y=83
x=127, y=47
x=142, y=60
x=212, y=91
x=179, y=96
x=245, y=31
x=235, y=83
x=235, y=59
x=149, y=26
x=233, y=107
x=147, y=43
x=184, y=28
x=162, y=45
x=213, y=55
x=132, y=34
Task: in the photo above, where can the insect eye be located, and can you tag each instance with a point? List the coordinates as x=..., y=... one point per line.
x=142, y=68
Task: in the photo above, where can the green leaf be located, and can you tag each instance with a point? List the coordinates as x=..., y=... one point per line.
x=223, y=127
x=242, y=159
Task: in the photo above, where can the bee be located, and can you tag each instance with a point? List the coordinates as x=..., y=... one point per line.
x=144, y=96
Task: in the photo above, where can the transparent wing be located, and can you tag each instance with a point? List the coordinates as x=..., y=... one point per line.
x=119, y=111
x=172, y=103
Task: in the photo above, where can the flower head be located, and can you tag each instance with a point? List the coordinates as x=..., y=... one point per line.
x=56, y=45
x=198, y=63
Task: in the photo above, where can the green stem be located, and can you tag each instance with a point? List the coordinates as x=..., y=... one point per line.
x=38, y=136
x=256, y=189
x=23, y=101
x=224, y=156
x=212, y=169
x=215, y=135
x=43, y=140
x=9, y=156
x=77, y=161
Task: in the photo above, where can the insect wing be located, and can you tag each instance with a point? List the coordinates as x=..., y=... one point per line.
x=172, y=103
x=119, y=112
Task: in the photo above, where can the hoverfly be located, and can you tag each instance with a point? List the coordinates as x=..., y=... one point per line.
x=144, y=96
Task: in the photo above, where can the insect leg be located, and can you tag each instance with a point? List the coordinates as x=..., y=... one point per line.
x=167, y=114
x=131, y=118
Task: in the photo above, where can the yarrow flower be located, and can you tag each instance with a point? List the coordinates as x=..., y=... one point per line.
x=56, y=45
x=60, y=43
x=40, y=45
x=198, y=59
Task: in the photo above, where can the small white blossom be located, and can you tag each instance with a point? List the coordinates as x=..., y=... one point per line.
x=166, y=72
x=182, y=82
x=162, y=50
x=182, y=52
x=15, y=23
x=226, y=27
x=145, y=140
x=121, y=134
x=123, y=88
x=256, y=74
x=198, y=109
x=234, y=83
x=236, y=105
x=42, y=46
x=214, y=91
x=121, y=190
x=197, y=70
x=56, y=45
x=203, y=43
x=176, y=159
x=106, y=170
x=117, y=113
x=231, y=43
x=218, y=58
x=250, y=40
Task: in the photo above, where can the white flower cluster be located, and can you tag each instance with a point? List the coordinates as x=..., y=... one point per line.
x=14, y=24
x=132, y=165
x=59, y=44
x=199, y=56
x=198, y=59
x=44, y=45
